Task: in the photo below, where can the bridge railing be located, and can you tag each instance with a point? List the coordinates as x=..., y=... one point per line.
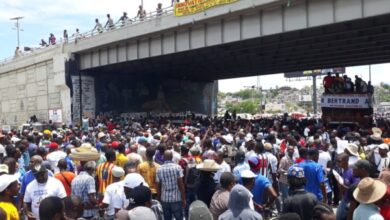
x=76, y=38
x=121, y=24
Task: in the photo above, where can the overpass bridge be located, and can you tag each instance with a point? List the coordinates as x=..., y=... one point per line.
x=249, y=37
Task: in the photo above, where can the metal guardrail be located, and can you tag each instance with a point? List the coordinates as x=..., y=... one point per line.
x=76, y=38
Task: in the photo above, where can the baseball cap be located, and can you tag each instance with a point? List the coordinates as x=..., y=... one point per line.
x=295, y=171
x=118, y=172
x=6, y=180
x=115, y=144
x=247, y=174
x=199, y=211
x=363, y=164
x=142, y=213
x=254, y=163
x=139, y=195
x=53, y=145
x=4, y=168
x=383, y=146
x=133, y=180
x=38, y=169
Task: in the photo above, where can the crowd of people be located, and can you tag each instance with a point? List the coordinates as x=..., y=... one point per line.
x=200, y=168
x=339, y=85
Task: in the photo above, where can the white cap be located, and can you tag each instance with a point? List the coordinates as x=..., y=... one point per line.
x=133, y=180
x=383, y=146
x=142, y=213
x=4, y=168
x=6, y=180
x=247, y=174
x=15, y=139
x=118, y=172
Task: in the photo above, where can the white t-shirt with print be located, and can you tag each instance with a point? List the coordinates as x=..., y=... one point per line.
x=36, y=192
x=115, y=197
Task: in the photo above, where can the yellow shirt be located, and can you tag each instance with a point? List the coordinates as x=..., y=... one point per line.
x=121, y=160
x=148, y=172
x=10, y=210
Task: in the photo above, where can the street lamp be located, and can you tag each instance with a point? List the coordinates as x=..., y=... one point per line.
x=17, y=27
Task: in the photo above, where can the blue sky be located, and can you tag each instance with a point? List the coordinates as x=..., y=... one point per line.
x=42, y=17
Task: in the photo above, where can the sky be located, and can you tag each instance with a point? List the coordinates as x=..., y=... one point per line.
x=42, y=17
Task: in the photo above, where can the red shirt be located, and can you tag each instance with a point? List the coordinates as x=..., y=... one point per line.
x=328, y=81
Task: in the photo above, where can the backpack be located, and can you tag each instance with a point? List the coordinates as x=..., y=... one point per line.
x=192, y=177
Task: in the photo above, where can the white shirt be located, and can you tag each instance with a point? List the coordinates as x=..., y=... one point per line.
x=383, y=163
x=224, y=167
x=53, y=159
x=323, y=159
x=352, y=160
x=274, y=165
x=176, y=157
x=115, y=197
x=36, y=192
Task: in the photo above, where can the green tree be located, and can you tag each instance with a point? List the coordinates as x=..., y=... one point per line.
x=246, y=106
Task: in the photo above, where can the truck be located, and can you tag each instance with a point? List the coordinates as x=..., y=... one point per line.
x=354, y=109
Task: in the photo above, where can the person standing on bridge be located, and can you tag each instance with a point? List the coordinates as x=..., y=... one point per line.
x=98, y=26
x=110, y=23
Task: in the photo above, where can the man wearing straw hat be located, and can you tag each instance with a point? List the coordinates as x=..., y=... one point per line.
x=369, y=193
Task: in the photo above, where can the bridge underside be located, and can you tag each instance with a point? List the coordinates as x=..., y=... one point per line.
x=358, y=42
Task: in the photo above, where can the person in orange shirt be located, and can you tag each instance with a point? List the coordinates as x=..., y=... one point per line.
x=66, y=177
x=148, y=169
x=104, y=171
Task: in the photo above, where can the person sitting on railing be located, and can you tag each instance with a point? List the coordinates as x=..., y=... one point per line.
x=159, y=9
x=17, y=52
x=65, y=36
x=338, y=85
x=141, y=13
x=52, y=39
x=358, y=82
x=98, y=27
x=348, y=85
x=76, y=35
x=43, y=43
x=124, y=19
x=110, y=23
x=370, y=88
x=327, y=82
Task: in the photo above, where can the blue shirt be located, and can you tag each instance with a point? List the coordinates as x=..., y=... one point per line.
x=261, y=184
x=314, y=177
x=69, y=163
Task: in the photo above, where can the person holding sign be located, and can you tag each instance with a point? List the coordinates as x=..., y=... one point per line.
x=344, y=182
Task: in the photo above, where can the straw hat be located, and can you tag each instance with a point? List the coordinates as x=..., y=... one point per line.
x=376, y=133
x=208, y=165
x=85, y=153
x=369, y=190
x=353, y=149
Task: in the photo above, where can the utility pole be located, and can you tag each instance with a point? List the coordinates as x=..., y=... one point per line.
x=369, y=73
x=17, y=28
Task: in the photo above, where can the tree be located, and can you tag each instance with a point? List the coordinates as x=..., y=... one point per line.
x=246, y=106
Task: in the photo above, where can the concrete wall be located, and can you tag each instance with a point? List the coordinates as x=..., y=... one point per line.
x=32, y=85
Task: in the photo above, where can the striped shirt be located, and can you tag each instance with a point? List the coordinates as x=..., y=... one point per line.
x=104, y=175
x=167, y=176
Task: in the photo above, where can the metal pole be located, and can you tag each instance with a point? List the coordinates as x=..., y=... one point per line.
x=17, y=28
x=369, y=72
x=315, y=94
x=81, y=99
x=142, y=3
